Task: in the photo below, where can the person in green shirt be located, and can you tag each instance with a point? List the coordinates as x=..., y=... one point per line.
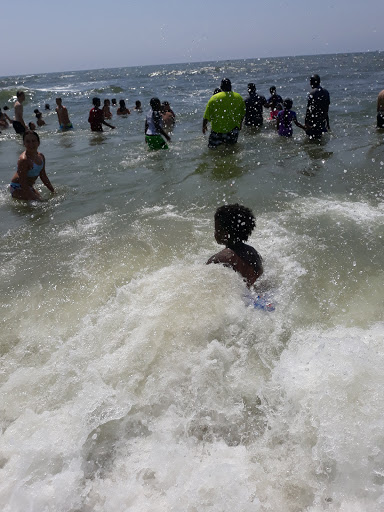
x=225, y=111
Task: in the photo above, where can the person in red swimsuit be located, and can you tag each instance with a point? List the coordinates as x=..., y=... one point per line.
x=96, y=117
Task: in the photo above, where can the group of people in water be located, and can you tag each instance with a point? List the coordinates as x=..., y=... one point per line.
x=226, y=111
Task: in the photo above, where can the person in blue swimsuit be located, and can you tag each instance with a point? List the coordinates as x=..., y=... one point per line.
x=30, y=166
x=233, y=225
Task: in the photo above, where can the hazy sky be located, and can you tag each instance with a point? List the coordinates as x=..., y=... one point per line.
x=41, y=36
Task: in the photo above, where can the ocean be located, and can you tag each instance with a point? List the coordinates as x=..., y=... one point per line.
x=133, y=376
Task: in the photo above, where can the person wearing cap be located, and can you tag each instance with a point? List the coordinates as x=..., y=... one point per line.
x=254, y=107
x=316, y=117
x=225, y=111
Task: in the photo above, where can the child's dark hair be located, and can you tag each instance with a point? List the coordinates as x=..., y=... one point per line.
x=287, y=104
x=237, y=220
x=28, y=132
x=96, y=101
x=155, y=103
x=122, y=104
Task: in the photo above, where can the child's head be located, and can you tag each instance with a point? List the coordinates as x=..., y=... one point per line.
x=30, y=134
x=47, y=107
x=107, y=103
x=96, y=102
x=31, y=126
x=155, y=104
x=287, y=104
x=5, y=108
x=251, y=88
x=122, y=104
x=114, y=101
x=138, y=103
x=272, y=90
x=58, y=102
x=233, y=223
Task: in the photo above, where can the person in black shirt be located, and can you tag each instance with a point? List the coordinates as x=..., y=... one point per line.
x=254, y=107
x=316, y=117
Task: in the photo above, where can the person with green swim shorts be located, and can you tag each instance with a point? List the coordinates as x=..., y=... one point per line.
x=154, y=131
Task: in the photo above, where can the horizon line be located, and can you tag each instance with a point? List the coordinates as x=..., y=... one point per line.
x=188, y=63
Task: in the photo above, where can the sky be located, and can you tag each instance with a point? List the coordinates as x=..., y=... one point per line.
x=40, y=36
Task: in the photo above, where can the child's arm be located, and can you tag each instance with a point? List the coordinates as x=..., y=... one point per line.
x=107, y=124
x=299, y=124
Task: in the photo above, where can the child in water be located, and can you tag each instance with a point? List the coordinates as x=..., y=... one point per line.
x=39, y=116
x=154, y=128
x=31, y=165
x=284, y=120
x=233, y=225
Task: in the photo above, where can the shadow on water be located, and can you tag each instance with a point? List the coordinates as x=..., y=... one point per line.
x=221, y=164
x=98, y=139
x=317, y=156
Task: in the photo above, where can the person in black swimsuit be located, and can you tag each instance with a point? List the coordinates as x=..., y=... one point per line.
x=233, y=225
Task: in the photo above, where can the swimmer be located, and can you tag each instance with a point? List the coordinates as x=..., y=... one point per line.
x=284, y=119
x=30, y=166
x=233, y=225
x=62, y=115
x=32, y=126
x=39, y=116
x=106, y=111
x=122, y=110
x=96, y=117
x=138, y=106
x=114, y=103
x=154, y=127
x=19, y=124
x=274, y=102
x=4, y=120
x=169, y=117
x=47, y=106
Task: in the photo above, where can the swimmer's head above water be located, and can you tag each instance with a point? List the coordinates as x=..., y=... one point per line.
x=234, y=223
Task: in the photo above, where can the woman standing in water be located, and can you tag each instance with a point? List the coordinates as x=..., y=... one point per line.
x=30, y=166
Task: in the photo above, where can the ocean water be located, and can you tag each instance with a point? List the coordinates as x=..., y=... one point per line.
x=133, y=376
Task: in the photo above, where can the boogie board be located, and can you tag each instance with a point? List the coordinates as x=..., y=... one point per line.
x=259, y=302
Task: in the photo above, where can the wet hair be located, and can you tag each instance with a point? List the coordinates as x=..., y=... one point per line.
x=138, y=103
x=106, y=101
x=217, y=90
x=272, y=89
x=122, y=104
x=58, y=99
x=226, y=85
x=237, y=220
x=287, y=103
x=28, y=132
x=155, y=103
x=95, y=101
x=251, y=87
x=113, y=101
x=314, y=80
x=19, y=93
x=5, y=107
x=47, y=107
